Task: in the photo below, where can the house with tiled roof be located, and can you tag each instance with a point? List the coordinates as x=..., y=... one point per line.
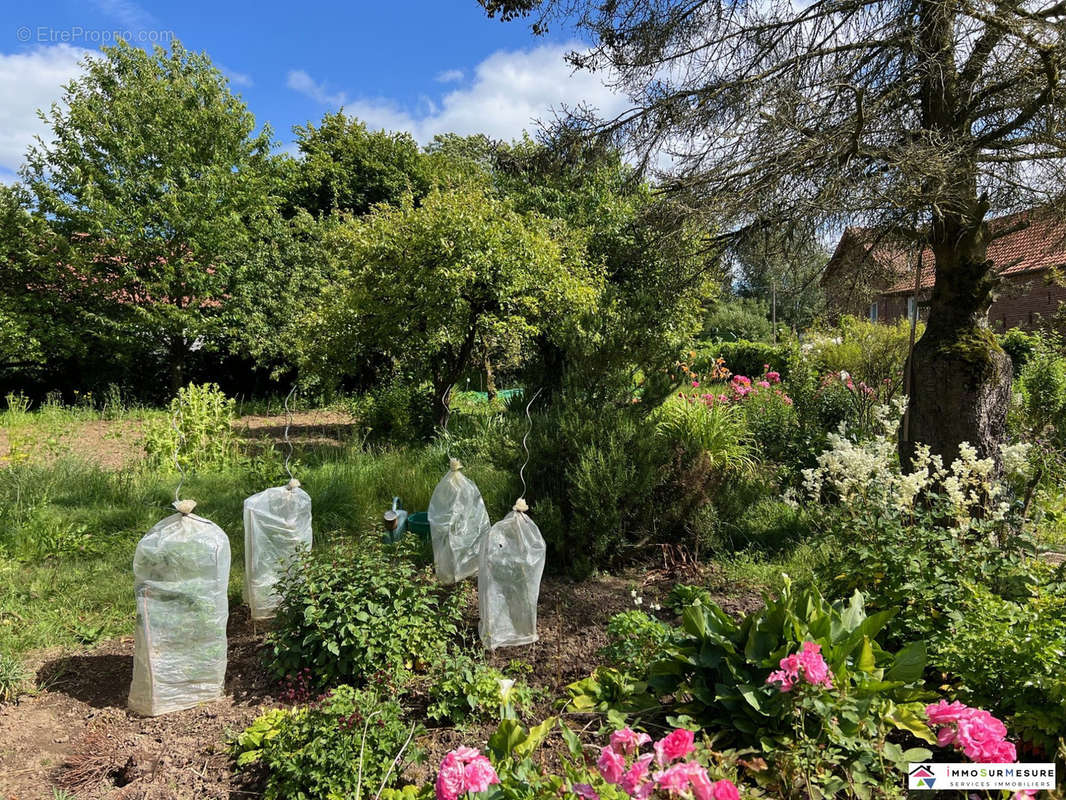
x=873, y=275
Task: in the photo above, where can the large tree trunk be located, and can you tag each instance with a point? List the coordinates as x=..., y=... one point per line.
x=960, y=377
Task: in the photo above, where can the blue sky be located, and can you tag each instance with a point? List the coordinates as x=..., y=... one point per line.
x=426, y=66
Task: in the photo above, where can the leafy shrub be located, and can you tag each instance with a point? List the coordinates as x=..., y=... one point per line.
x=872, y=353
x=830, y=739
x=911, y=541
x=12, y=677
x=339, y=746
x=734, y=318
x=395, y=411
x=1042, y=386
x=634, y=640
x=349, y=613
x=204, y=438
x=1008, y=655
x=465, y=688
x=594, y=478
x=746, y=358
x=1019, y=345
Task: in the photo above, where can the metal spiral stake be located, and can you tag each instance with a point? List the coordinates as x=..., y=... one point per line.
x=445, y=402
x=529, y=429
x=288, y=424
x=179, y=442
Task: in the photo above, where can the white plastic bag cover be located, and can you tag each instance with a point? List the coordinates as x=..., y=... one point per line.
x=508, y=581
x=181, y=573
x=277, y=526
x=458, y=524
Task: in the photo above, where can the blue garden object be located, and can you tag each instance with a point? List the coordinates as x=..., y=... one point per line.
x=395, y=522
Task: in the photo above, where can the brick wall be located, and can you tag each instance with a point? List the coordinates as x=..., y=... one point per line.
x=1024, y=300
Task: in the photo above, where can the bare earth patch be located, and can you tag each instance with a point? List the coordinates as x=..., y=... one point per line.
x=76, y=732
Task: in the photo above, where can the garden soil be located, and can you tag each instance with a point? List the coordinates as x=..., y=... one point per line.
x=75, y=732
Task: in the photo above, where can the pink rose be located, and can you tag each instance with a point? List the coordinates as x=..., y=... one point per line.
x=702, y=787
x=466, y=754
x=611, y=765
x=726, y=790
x=633, y=782
x=674, y=780
x=627, y=741
x=979, y=735
x=808, y=663
x=451, y=779
x=675, y=745
x=480, y=775
x=585, y=791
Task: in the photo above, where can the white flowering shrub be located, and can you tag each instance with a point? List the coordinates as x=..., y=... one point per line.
x=910, y=540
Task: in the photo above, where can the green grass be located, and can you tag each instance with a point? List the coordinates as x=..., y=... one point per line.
x=68, y=529
x=758, y=570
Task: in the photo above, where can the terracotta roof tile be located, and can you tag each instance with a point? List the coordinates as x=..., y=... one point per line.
x=1039, y=245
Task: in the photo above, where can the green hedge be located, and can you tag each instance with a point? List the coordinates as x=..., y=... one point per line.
x=743, y=357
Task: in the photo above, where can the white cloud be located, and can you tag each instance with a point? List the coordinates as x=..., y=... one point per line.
x=510, y=91
x=298, y=80
x=128, y=13
x=449, y=76
x=235, y=78
x=30, y=81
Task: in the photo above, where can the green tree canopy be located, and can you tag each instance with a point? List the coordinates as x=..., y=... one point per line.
x=434, y=285
x=659, y=265
x=155, y=172
x=345, y=166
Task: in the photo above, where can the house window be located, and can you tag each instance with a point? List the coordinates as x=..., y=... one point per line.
x=873, y=312
x=912, y=308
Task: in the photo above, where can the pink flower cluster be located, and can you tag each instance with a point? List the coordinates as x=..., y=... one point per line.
x=740, y=387
x=639, y=778
x=464, y=770
x=846, y=380
x=807, y=664
x=979, y=735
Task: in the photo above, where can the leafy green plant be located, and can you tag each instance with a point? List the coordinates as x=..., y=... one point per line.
x=682, y=596
x=1007, y=655
x=822, y=741
x=912, y=541
x=634, y=640
x=465, y=689
x=719, y=668
x=204, y=438
x=716, y=433
x=349, y=742
x=12, y=677
x=611, y=692
x=351, y=612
